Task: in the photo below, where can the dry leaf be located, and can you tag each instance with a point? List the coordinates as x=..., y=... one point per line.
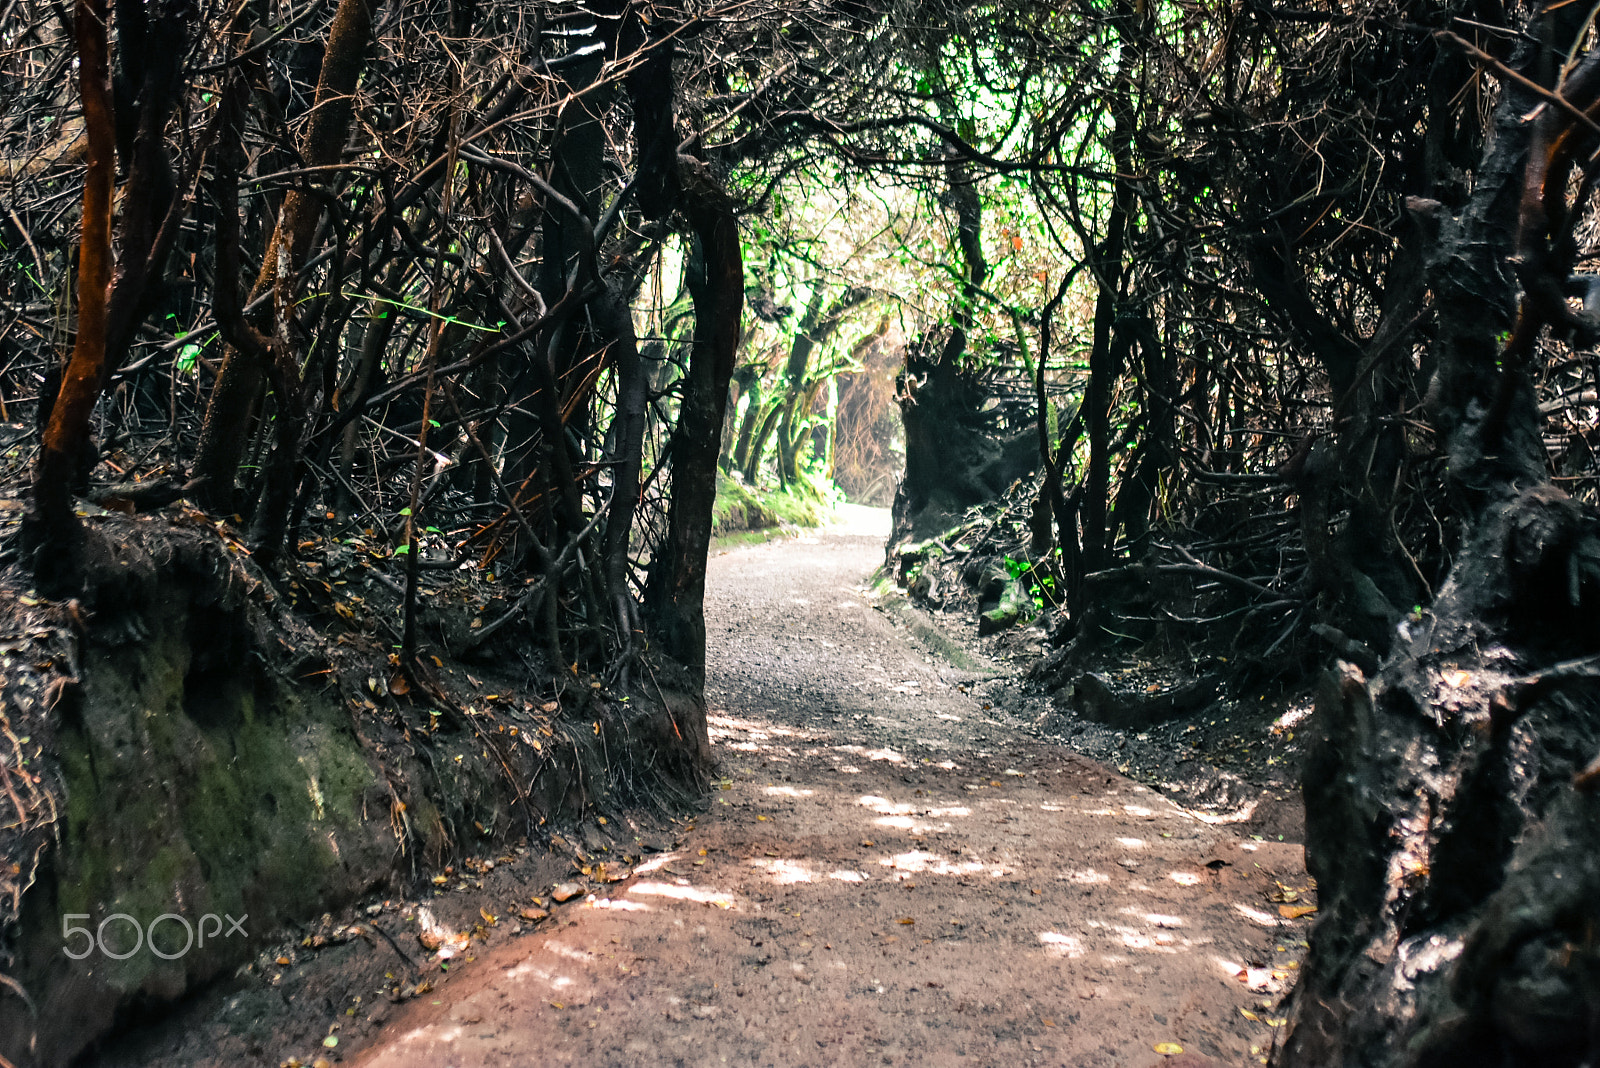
x=905, y=920
x=1294, y=912
x=1168, y=1049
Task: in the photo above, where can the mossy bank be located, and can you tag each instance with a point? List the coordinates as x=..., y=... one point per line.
x=211, y=762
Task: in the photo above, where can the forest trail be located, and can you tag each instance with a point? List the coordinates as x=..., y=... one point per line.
x=889, y=873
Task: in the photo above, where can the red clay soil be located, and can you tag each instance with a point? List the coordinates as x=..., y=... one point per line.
x=890, y=873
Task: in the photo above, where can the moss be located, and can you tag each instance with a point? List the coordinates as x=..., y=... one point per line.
x=740, y=507
x=195, y=803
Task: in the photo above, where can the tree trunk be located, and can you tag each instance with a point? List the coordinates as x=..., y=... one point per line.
x=226, y=431
x=53, y=533
x=1452, y=820
x=716, y=280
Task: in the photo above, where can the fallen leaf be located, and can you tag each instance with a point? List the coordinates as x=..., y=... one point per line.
x=905, y=920
x=1168, y=1049
x=566, y=891
x=868, y=842
x=1294, y=912
x=534, y=914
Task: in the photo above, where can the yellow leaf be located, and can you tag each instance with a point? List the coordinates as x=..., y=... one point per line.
x=1248, y=1015
x=906, y=920
x=1294, y=912
x=1168, y=1049
x=557, y=1005
x=761, y=819
x=597, y=726
x=602, y=821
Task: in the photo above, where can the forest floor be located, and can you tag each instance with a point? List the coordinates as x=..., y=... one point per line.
x=891, y=872
x=897, y=867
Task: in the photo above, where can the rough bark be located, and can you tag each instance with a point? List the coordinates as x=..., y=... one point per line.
x=226, y=430
x=676, y=585
x=53, y=531
x=1451, y=818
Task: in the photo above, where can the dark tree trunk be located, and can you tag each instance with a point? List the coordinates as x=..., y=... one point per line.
x=1452, y=822
x=226, y=431
x=53, y=534
x=676, y=587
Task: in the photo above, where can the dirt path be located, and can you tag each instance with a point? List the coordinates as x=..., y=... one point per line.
x=889, y=874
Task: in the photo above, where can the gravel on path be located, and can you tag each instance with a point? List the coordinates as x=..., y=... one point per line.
x=890, y=872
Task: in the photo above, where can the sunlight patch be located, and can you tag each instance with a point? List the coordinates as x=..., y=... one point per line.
x=618, y=905
x=1265, y=919
x=561, y=949
x=1184, y=878
x=1086, y=877
x=847, y=876
x=788, y=791
x=920, y=860
x=784, y=872
x=885, y=806
x=1061, y=945
x=1131, y=843
x=683, y=893
x=528, y=969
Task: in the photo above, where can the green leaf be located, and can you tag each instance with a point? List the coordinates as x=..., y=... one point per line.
x=402, y=550
x=406, y=510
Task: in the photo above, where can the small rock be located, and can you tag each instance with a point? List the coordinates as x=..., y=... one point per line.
x=566, y=892
x=534, y=914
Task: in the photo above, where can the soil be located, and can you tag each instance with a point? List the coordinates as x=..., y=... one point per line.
x=900, y=864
